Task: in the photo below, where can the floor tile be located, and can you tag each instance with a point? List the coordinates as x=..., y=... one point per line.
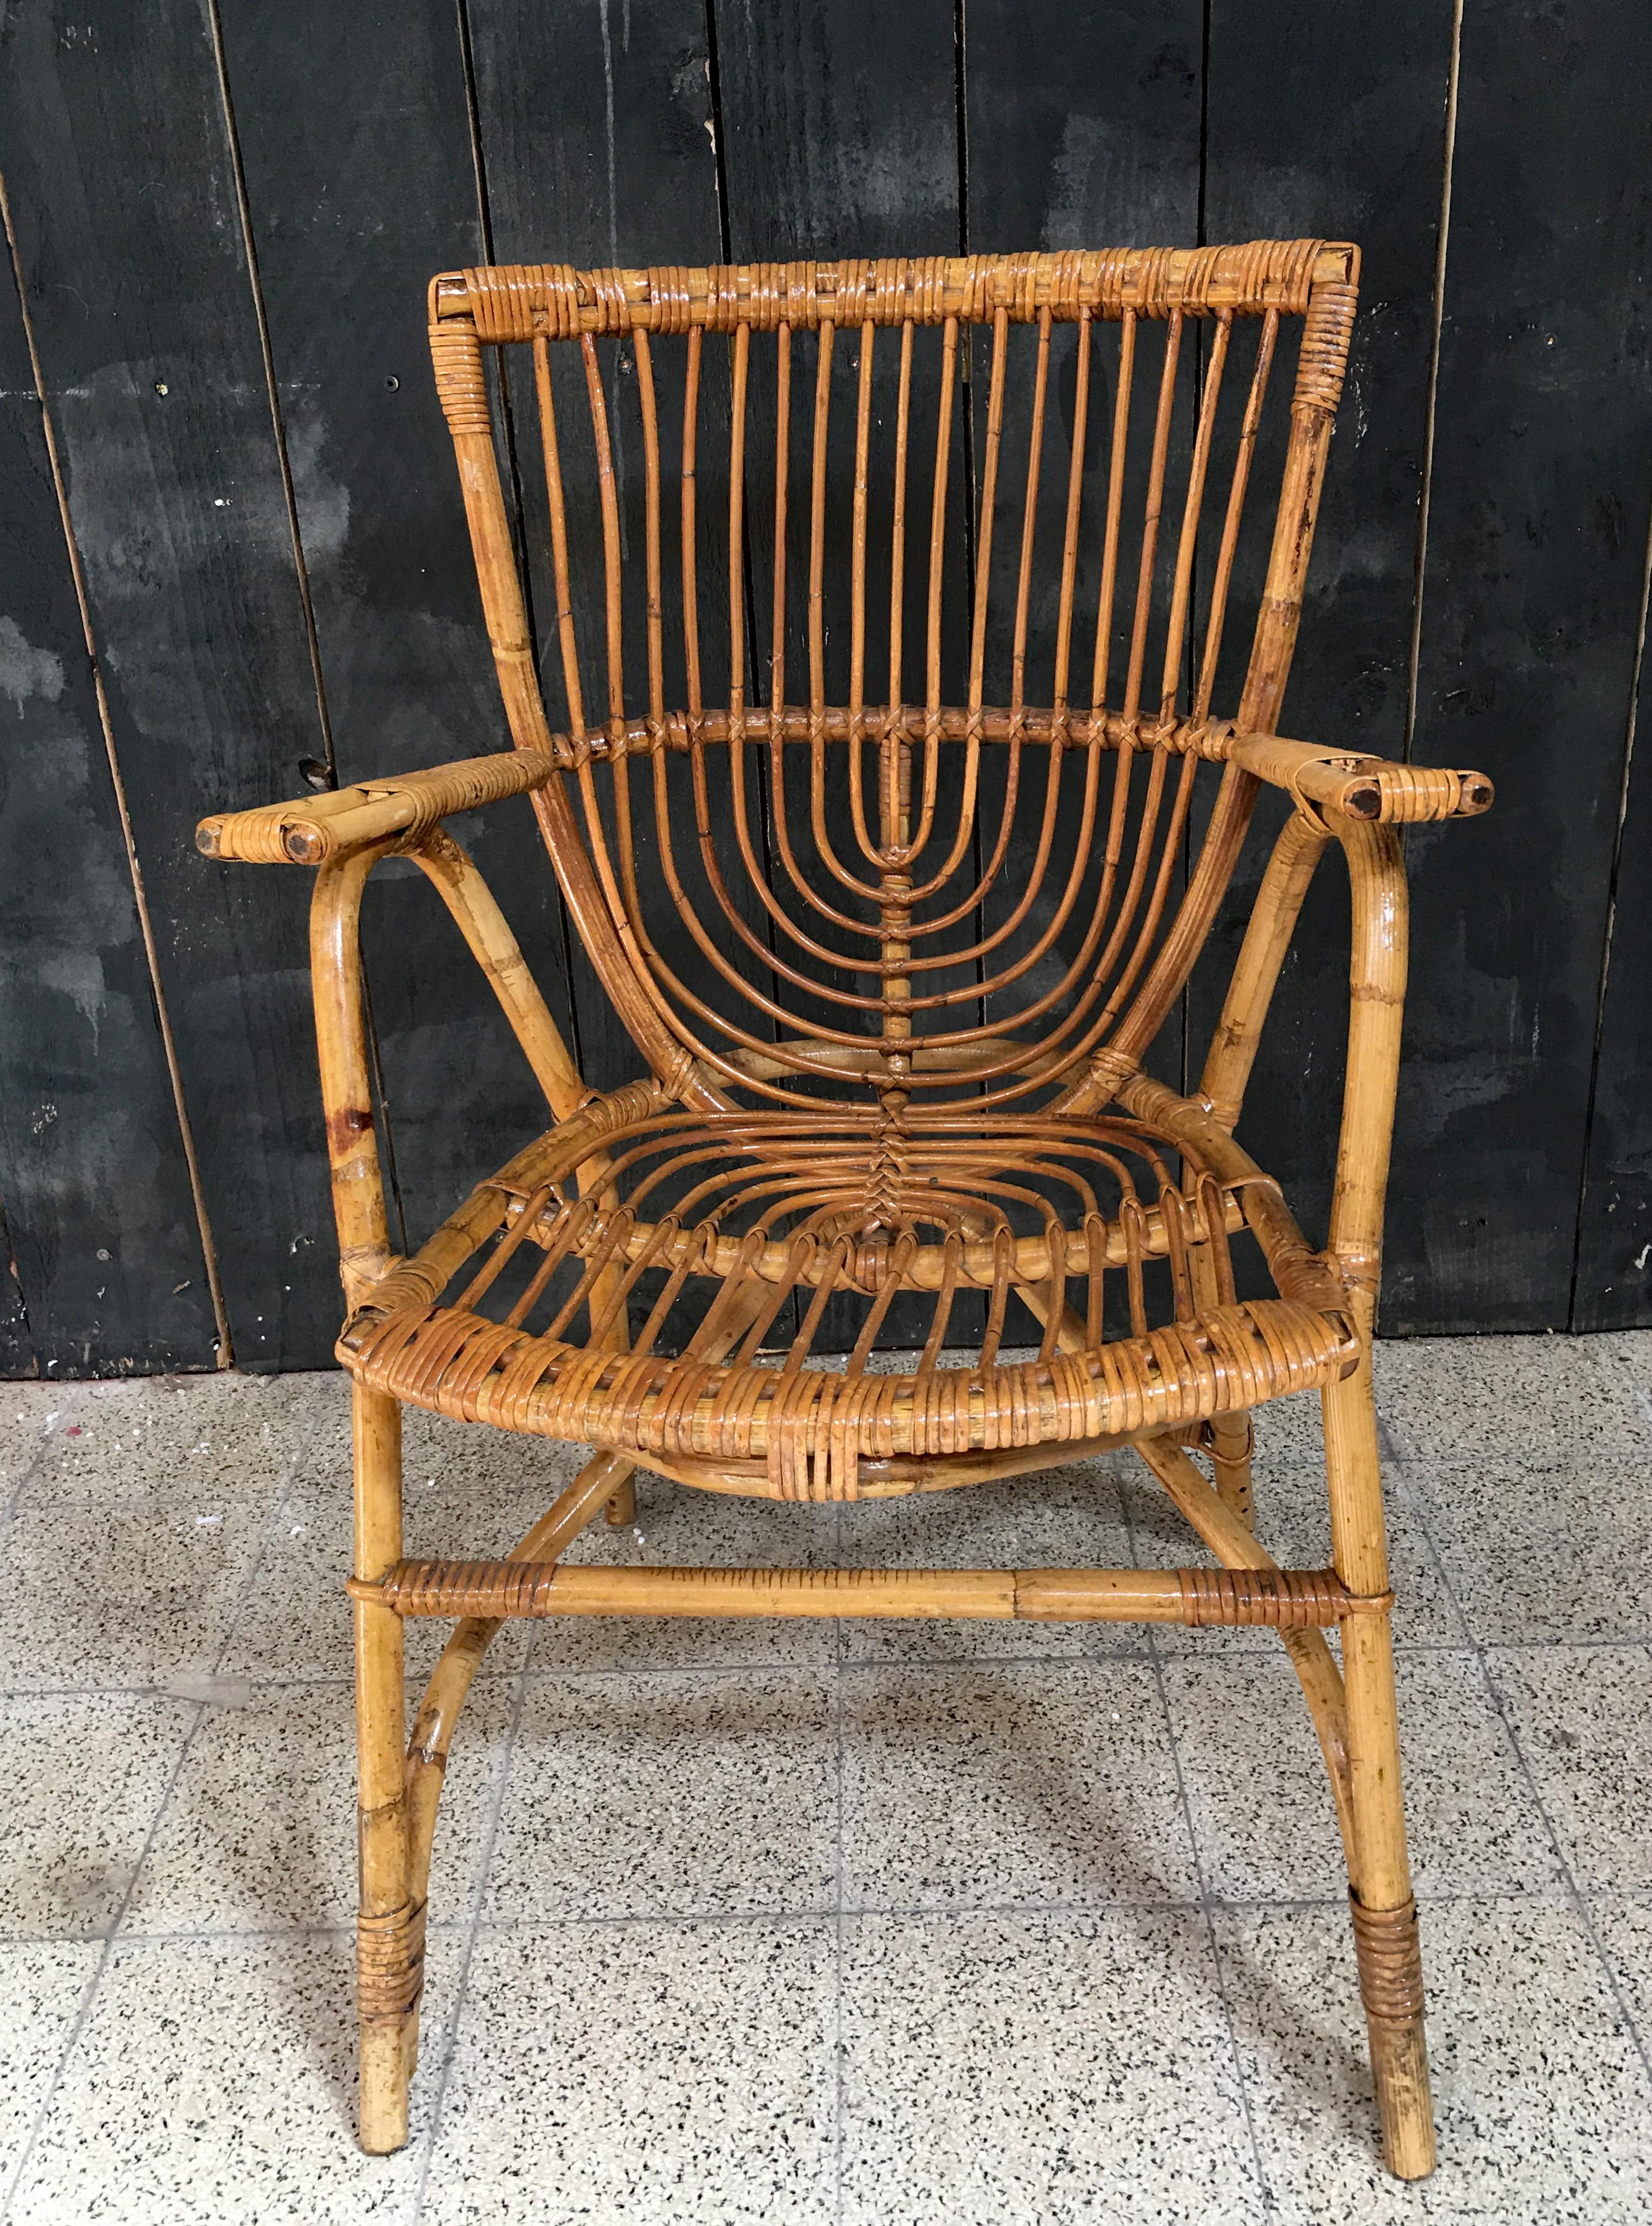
x=32, y=1415
x=1060, y=1519
x=173, y=1438
x=1581, y=1717
x=1631, y=1351
x=213, y=2084
x=1290, y=1430
x=1262, y=1806
x=122, y=1595
x=1450, y=1395
x=297, y=1620
x=1294, y=1522
x=1036, y=2069
x=1543, y=1546
x=42, y=1984
x=669, y=1793
x=86, y=1775
x=259, y=1831
x=1545, y=2113
x=652, y=2074
x=998, y=1785
x=676, y=1524
x=1622, y=1924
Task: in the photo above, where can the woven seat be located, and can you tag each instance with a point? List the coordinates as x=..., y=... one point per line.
x=871, y=723
x=710, y=1210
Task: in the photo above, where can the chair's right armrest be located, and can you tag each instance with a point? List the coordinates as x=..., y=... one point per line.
x=311, y=829
x=1348, y=784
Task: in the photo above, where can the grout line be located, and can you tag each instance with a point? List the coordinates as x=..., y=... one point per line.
x=106, y=721
x=89, y=1996
x=1263, y=2190
x=1574, y=1893
x=503, y=1770
x=1413, y=658
x=966, y=1664
x=112, y=1932
x=1550, y=1896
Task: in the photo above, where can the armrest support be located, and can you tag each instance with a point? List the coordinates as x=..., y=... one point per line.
x=312, y=829
x=1331, y=784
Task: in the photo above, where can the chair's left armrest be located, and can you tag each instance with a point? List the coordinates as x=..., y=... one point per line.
x=1346, y=783
x=311, y=829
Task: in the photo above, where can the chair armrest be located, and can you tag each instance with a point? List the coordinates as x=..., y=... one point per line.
x=1347, y=784
x=312, y=829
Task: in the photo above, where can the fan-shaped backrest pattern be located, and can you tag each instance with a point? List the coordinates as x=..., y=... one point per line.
x=889, y=609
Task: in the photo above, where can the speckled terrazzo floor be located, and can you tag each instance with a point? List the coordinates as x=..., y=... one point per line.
x=795, y=1923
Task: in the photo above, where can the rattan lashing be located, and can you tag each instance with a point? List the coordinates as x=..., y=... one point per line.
x=893, y=956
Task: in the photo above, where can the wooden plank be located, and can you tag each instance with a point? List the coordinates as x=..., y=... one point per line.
x=355, y=138
x=101, y=1233
x=130, y=248
x=1282, y=161
x=19, y=1355
x=1533, y=597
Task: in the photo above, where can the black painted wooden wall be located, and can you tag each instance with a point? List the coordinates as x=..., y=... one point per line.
x=233, y=558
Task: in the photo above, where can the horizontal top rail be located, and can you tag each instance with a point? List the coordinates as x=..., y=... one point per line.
x=522, y=301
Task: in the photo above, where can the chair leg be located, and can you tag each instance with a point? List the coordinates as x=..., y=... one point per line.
x=1384, y=1912
x=1233, y=1441
x=389, y=1935
x=620, y=1511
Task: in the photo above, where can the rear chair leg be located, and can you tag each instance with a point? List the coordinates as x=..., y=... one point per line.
x=1233, y=1441
x=1384, y=1913
x=622, y=1511
x=390, y=1935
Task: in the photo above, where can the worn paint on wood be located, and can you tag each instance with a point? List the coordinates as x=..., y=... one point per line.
x=665, y=131
x=1533, y=591
x=102, y=1271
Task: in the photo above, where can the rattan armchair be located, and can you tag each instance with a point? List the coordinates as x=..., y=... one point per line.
x=882, y=783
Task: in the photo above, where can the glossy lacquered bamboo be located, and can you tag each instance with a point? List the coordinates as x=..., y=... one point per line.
x=899, y=1015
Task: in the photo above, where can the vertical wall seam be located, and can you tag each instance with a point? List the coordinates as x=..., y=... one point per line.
x=485, y=229
x=295, y=530
x=1420, y=565
x=233, y=141
x=1636, y=667
x=146, y=928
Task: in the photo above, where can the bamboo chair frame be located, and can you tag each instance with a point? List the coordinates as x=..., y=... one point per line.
x=841, y=1107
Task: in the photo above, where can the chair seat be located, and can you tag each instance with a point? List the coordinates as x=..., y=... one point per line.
x=765, y=1233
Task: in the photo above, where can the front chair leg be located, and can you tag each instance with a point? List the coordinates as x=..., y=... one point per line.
x=390, y=1935
x=1384, y=1913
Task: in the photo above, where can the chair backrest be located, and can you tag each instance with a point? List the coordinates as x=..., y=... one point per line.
x=886, y=612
